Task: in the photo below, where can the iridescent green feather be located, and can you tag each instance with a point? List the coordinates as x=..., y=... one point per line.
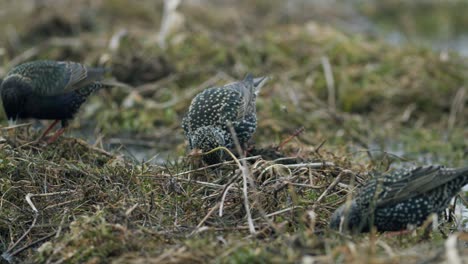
x=49, y=78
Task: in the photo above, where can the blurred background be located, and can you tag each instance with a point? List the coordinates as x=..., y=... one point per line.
x=372, y=79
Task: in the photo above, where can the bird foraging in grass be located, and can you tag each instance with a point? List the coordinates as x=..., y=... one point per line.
x=51, y=90
x=396, y=200
x=214, y=110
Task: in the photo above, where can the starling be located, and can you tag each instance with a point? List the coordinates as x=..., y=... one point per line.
x=396, y=200
x=206, y=124
x=52, y=90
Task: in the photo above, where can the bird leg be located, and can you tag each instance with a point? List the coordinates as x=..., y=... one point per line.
x=48, y=130
x=56, y=135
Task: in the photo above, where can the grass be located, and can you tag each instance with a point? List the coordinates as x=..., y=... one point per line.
x=95, y=204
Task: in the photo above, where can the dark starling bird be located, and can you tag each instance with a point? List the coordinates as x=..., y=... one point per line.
x=51, y=90
x=396, y=200
x=206, y=124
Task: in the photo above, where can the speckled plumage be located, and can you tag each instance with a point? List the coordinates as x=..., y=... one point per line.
x=206, y=123
x=404, y=197
x=52, y=90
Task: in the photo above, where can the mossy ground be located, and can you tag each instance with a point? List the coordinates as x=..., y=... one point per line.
x=95, y=203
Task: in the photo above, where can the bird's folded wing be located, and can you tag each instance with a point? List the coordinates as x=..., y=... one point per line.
x=419, y=181
x=80, y=75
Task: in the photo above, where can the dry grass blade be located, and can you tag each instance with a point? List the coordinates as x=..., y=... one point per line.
x=451, y=249
x=330, y=83
x=245, y=177
x=456, y=107
x=31, y=195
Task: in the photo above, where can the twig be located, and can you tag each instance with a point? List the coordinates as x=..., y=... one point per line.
x=281, y=211
x=114, y=42
x=317, y=149
x=59, y=230
x=169, y=17
x=6, y=255
x=311, y=165
x=245, y=176
x=274, y=166
x=61, y=204
x=150, y=88
x=244, y=172
x=209, y=184
x=205, y=218
x=293, y=135
x=407, y=113
x=451, y=250
x=305, y=185
x=99, y=150
x=456, y=107
x=217, y=164
x=133, y=142
x=30, y=195
x=331, y=186
x=16, y=126
x=32, y=244
x=386, y=247
x=223, y=198
x=330, y=83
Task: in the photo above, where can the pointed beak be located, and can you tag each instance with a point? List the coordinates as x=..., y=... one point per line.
x=259, y=82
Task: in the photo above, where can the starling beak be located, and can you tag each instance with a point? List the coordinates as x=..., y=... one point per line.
x=51, y=90
x=396, y=200
x=206, y=125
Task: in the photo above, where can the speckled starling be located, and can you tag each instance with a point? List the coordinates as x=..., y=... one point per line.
x=206, y=124
x=400, y=199
x=52, y=90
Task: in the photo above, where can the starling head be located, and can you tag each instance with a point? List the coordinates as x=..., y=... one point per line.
x=14, y=93
x=347, y=217
x=207, y=138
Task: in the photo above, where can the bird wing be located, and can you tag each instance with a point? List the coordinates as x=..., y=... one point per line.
x=49, y=78
x=247, y=95
x=395, y=186
x=418, y=181
x=402, y=185
x=80, y=75
x=75, y=72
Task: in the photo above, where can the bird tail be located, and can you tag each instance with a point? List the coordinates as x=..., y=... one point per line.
x=88, y=89
x=458, y=177
x=463, y=172
x=93, y=74
x=97, y=73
